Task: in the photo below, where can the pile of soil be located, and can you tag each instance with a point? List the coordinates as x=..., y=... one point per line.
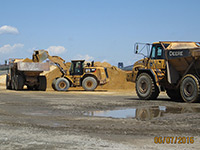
x=2, y=79
x=117, y=80
x=103, y=64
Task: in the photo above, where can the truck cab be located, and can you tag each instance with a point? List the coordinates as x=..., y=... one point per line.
x=153, y=61
x=157, y=57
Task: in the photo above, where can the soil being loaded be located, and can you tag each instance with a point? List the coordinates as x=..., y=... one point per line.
x=2, y=79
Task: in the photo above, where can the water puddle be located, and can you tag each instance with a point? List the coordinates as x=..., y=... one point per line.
x=142, y=113
x=38, y=113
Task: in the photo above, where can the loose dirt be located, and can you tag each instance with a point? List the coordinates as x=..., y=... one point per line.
x=56, y=120
x=117, y=80
x=2, y=79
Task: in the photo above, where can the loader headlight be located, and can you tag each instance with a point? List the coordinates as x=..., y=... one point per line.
x=93, y=70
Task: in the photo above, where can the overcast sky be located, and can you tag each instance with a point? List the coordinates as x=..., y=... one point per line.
x=100, y=30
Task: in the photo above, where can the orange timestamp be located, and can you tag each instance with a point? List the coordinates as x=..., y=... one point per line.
x=173, y=140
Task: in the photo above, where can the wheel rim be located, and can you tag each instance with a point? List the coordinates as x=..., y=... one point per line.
x=89, y=84
x=143, y=86
x=189, y=89
x=62, y=85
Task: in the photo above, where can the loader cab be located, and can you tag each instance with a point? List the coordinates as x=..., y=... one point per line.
x=77, y=67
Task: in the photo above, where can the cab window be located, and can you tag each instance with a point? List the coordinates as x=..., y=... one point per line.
x=76, y=68
x=153, y=53
x=157, y=52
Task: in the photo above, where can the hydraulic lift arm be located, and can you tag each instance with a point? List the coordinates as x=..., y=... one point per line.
x=41, y=55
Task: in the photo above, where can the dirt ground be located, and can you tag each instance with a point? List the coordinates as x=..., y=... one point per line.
x=72, y=120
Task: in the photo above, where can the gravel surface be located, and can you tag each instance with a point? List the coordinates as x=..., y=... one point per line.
x=58, y=120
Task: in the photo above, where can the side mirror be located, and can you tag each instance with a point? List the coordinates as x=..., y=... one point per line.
x=136, y=49
x=92, y=63
x=88, y=64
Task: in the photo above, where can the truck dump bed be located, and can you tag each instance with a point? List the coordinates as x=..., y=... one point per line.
x=181, y=63
x=181, y=57
x=33, y=66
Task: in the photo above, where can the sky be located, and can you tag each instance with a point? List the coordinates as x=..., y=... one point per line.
x=99, y=30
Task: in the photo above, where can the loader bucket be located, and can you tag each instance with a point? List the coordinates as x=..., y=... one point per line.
x=40, y=55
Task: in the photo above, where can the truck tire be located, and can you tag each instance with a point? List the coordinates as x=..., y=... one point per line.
x=12, y=79
x=19, y=82
x=174, y=94
x=89, y=84
x=61, y=84
x=30, y=87
x=145, y=87
x=42, y=83
x=53, y=84
x=12, y=84
x=143, y=114
x=190, y=89
x=8, y=83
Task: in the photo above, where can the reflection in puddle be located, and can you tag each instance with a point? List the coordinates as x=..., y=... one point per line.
x=124, y=113
x=142, y=113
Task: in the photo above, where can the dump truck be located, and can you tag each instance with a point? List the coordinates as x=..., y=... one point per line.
x=26, y=72
x=171, y=66
x=80, y=73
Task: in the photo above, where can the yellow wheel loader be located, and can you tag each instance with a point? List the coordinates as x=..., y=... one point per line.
x=80, y=74
x=171, y=66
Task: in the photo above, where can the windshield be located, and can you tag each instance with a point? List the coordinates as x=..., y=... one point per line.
x=142, y=49
x=71, y=68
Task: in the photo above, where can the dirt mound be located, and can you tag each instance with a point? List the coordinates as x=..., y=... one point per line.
x=102, y=64
x=2, y=79
x=117, y=80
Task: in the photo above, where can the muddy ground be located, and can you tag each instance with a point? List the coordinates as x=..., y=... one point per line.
x=76, y=120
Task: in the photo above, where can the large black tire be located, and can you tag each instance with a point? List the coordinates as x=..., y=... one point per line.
x=53, y=84
x=19, y=82
x=146, y=88
x=190, y=89
x=12, y=80
x=8, y=82
x=13, y=83
x=89, y=84
x=42, y=83
x=174, y=94
x=30, y=87
x=61, y=84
